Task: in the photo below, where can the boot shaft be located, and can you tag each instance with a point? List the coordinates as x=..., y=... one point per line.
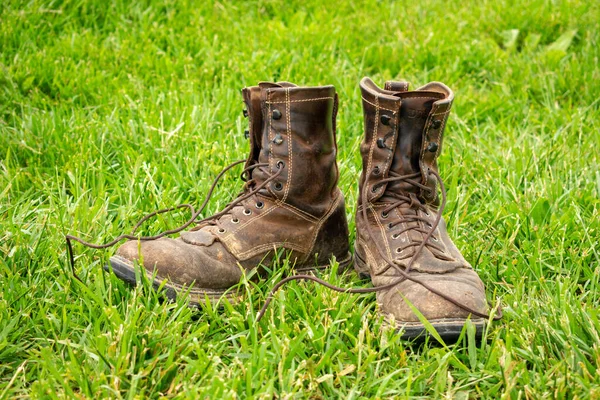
x=293, y=128
x=403, y=136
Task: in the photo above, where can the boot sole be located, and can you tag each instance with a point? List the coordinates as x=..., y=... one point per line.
x=124, y=269
x=449, y=329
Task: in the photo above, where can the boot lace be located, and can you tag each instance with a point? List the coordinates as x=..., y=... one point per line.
x=403, y=270
x=408, y=206
x=251, y=187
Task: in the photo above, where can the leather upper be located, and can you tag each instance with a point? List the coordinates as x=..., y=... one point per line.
x=300, y=211
x=403, y=137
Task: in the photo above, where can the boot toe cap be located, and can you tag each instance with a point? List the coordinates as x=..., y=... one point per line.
x=463, y=285
x=182, y=263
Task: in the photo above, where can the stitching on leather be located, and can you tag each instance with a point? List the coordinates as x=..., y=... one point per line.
x=331, y=210
x=375, y=216
x=424, y=146
x=408, y=96
x=374, y=140
x=270, y=132
x=299, y=101
x=439, y=142
x=267, y=212
x=372, y=146
x=291, y=208
x=370, y=259
x=402, y=86
x=388, y=164
x=441, y=243
x=277, y=203
x=380, y=204
x=289, y=140
x=320, y=223
x=375, y=130
x=297, y=211
x=271, y=246
x=404, y=225
x=378, y=106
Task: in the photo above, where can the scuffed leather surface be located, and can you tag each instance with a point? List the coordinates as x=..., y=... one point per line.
x=307, y=147
x=332, y=238
x=406, y=137
x=185, y=264
x=273, y=226
x=202, y=237
x=462, y=284
x=305, y=220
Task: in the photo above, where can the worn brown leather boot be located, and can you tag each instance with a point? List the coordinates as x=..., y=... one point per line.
x=290, y=203
x=401, y=238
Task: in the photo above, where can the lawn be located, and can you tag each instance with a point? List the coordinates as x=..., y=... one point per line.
x=110, y=110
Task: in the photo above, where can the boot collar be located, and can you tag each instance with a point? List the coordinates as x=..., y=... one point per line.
x=382, y=128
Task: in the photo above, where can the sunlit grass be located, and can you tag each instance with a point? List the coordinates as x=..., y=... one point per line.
x=110, y=110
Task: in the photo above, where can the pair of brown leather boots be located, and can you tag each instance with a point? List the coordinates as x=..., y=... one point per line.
x=292, y=207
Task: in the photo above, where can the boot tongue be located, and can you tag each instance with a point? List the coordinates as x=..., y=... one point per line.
x=414, y=112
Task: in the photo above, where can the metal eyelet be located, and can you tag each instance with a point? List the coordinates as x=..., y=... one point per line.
x=260, y=204
x=278, y=186
x=435, y=239
x=280, y=164
x=235, y=221
x=278, y=139
x=247, y=212
x=384, y=215
x=398, y=250
x=376, y=170
x=395, y=236
x=432, y=147
x=390, y=225
x=222, y=230
x=427, y=213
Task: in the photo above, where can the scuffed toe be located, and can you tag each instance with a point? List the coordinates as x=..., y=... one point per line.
x=184, y=264
x=462, y=285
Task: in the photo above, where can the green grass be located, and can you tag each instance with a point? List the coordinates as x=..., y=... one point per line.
x=109, y=110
